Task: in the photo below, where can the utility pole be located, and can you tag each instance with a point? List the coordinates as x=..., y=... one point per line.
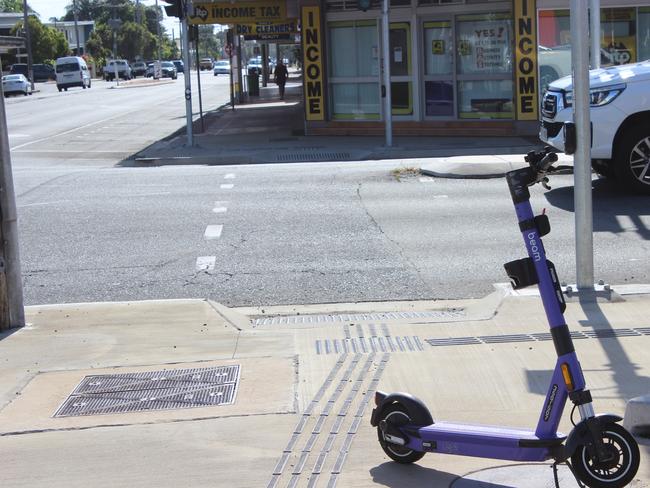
x=388, y=104
x=187, y=77
x=158, y=29
x=12, y=311
x=28, y=44
x=594, y=27
x=76, y=26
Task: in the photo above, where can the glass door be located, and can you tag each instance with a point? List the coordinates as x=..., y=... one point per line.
x=401, y=82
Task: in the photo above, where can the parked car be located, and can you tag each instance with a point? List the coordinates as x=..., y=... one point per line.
x=180, y=67
x=620, y=119
x=554, y=63
x=168, y=70
x=43, y=72
x=72, y=71
x=254, y=66
x=19, y=69
x=15, y=84
x=205, y=63
x=119, y=66
x=139, y=68
x=221, y=67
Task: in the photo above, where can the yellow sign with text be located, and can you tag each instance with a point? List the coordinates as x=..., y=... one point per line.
x=238, y=12
x=312, y=49
x=526, y=87
x=289, y=26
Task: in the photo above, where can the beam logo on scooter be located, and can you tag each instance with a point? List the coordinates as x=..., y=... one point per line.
x=599, y=451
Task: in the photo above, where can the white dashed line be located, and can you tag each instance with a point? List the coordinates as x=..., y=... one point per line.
x=206, y=263
x=213, y=232
x=441, y=196
x=219, y=209
x=229, y=176
x=227, y=186
x=426, y=179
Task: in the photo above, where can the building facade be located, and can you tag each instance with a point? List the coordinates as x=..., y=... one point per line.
x=463, y=67
x=85, y=28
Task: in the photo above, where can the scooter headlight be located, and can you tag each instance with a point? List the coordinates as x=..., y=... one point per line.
x=598, y=96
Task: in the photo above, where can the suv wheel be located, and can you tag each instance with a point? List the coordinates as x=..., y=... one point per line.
x=632, y=165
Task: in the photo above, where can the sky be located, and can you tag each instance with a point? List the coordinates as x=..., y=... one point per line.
x=56, y=8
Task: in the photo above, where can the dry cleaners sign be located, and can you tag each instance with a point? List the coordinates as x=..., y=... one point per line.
x=312, y=49
x=238, y=12
x=526, y=59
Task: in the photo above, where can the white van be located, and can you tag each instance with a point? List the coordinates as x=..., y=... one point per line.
x=71, y=71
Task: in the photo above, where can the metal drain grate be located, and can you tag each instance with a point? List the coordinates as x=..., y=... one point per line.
x=313, y=156
x=152, y=390
x=360, y=317
x=538, y=337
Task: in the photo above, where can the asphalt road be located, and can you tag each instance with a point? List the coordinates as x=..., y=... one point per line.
x=267, y=234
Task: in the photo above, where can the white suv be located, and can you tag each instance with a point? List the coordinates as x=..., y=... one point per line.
x=620, y=118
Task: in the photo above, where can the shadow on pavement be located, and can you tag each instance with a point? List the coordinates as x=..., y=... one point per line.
x=412, y=475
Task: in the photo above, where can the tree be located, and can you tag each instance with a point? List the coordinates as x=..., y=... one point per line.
x=47, y=42
x=13, y=6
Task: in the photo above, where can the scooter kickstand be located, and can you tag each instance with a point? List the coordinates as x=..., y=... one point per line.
x=557, y=480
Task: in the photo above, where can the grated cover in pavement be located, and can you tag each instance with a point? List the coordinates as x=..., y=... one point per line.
x=152, y=390
x=313, y=156
x=538, y=337
x=433, y=315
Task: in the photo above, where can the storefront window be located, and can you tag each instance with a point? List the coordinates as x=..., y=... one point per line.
x=400, y=93
x=439, y=98
x=355, y=101
x=354, y=68
x=644, y=33
x=484, y=44
x=438, y=48
x=485, y=99
x=618, y=36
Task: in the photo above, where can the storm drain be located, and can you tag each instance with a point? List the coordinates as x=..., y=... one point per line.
x=152, y=390
x=432, y=315
x=313, y=156
x=539, y=337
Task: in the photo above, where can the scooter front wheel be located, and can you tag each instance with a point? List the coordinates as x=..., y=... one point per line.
x=398, y=415
x=615, y=472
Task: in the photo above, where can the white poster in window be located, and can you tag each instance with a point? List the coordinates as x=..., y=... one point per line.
x=484, y=46
x=397, y=54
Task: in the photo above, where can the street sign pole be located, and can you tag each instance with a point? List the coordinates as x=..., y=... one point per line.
x=594, y=20
x=582, y=156
x=388, y=114
x=12, y=294
x=188, y=79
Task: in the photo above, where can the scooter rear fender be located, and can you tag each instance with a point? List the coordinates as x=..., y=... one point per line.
x=580, y=434
x=415, y=407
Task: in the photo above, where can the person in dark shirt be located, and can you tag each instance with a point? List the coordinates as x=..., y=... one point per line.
x=281, y=75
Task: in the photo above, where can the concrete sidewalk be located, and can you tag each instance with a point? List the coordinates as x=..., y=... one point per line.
x=269, y=130
x=290, y=398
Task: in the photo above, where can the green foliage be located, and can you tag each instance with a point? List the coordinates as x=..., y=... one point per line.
x=210, y=46
x=47, y=42
x=13, y=6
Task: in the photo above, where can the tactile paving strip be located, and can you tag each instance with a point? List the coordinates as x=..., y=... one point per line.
x=431, y=315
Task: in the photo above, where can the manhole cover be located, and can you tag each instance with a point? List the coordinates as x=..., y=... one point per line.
x=152, y=390
x=518, y=476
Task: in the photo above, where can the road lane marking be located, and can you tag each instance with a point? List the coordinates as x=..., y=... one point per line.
x=219, y=209
x=227, y=186
x=229, y=176
x=206, y=263
x=213, y=232
x=426, y=179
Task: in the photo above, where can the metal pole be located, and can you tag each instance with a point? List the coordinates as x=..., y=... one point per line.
x=28, y=45
x=594, y=21
x=388, y=113
x=158, y=29
x=582, y=156
x=198, y=79
x=14, y=289
x=187, y=78
x=76, y=27
x=116, y=72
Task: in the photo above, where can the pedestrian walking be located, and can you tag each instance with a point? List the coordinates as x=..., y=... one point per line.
x=281, y=76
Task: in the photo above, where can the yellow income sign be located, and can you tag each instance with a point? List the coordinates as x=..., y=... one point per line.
x=313, y=65
x=238, y=12
x=526, y=59
x=288, y=26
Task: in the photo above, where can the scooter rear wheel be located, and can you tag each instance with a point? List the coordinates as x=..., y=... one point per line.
x=397, y=413
x=614, y=473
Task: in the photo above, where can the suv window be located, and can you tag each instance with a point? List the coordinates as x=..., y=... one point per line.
x=67, y=67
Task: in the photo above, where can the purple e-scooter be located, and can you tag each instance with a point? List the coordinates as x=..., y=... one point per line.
x=599, y=451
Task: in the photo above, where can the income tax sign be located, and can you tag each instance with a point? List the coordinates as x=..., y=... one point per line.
x=238, y=12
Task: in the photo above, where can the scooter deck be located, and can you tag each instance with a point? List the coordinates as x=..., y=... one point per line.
x=484, y=441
